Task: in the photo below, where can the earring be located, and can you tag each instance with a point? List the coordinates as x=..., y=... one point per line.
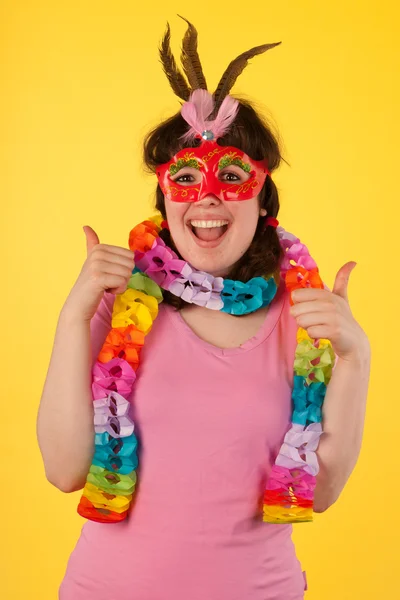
x=263, y=212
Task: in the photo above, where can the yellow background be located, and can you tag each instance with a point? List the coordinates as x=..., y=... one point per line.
x=80, y=85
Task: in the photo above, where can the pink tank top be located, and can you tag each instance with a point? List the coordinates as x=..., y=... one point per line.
x=210, y=423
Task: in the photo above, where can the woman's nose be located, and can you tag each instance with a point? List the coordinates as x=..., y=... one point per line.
x=209, y=199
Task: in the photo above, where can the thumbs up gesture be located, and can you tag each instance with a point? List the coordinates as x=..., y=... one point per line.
x=327, y=315
x=106, y=268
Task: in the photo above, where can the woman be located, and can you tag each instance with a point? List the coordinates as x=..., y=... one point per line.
x=211, y=403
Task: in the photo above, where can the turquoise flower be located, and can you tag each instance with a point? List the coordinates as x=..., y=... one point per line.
x=117, y=455
x=308, y=400
x=243, y=298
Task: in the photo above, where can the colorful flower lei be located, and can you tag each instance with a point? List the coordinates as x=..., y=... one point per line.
x=111, y=480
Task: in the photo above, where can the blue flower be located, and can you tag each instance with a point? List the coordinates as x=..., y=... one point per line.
x=116, y=454
x=243, y=298
x=308, y=400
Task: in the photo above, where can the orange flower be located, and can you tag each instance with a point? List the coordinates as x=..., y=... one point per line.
x=142, y=236
x=299, y=277
x=123, y=342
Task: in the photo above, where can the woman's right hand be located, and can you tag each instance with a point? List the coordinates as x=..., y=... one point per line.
x=106, y=268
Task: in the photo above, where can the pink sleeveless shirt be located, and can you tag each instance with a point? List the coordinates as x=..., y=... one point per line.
x=210, y=423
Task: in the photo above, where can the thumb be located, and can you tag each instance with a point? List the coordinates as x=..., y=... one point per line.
x=92, y=239
x=342, y=280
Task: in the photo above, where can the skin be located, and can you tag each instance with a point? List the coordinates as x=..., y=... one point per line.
x=243, y=216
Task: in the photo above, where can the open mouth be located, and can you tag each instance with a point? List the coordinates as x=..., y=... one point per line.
x=208, y=237
x=209, y=234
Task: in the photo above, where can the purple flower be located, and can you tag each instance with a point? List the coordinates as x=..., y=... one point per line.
x=161, y=264
x=199, y=288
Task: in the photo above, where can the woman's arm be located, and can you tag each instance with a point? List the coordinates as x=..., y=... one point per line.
x=65, y=429
x=343, y=413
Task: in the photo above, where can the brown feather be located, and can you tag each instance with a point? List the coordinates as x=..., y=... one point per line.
x=190, y=58
x=233, y=71
x=174, y=75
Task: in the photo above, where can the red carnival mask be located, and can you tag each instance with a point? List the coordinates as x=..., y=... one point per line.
x=209, y=159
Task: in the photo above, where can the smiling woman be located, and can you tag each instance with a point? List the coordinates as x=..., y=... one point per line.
x=205, y=447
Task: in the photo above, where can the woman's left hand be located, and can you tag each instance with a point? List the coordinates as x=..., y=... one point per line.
x=326, y=314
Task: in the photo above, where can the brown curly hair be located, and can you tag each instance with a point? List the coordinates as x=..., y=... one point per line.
x=253, y=135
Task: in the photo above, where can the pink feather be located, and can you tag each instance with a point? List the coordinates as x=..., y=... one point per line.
x=195, y=112
x=204, y=103
x=199, y=106
x=226, y=115
x=189, y=113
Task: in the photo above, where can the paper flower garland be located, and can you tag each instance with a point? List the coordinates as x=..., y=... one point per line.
x=111, y=480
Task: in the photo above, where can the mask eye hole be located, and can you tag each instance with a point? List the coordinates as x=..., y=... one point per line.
x=233, y=174
x=187, y=176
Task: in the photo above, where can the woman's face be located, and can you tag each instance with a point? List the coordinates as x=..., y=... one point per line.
x=212, y=234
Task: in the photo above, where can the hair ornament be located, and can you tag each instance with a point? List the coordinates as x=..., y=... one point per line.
x=190, y=58
x=271, y=221
x=177, y=81
x=193, y=70
x=199, y=106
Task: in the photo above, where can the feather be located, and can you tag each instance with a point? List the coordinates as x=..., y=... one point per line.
x=189, y=113
x=234, y=69
x=174, y=75
x=204, y=103
x=196, y=111
x=190, y=58
x=225, y=116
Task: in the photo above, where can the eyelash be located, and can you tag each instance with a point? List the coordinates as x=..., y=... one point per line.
x=179, y=179
x=188, y=175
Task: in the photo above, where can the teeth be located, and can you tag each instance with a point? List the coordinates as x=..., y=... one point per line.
x=208, y=224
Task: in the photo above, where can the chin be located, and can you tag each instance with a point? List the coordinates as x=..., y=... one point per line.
x=214, y=265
